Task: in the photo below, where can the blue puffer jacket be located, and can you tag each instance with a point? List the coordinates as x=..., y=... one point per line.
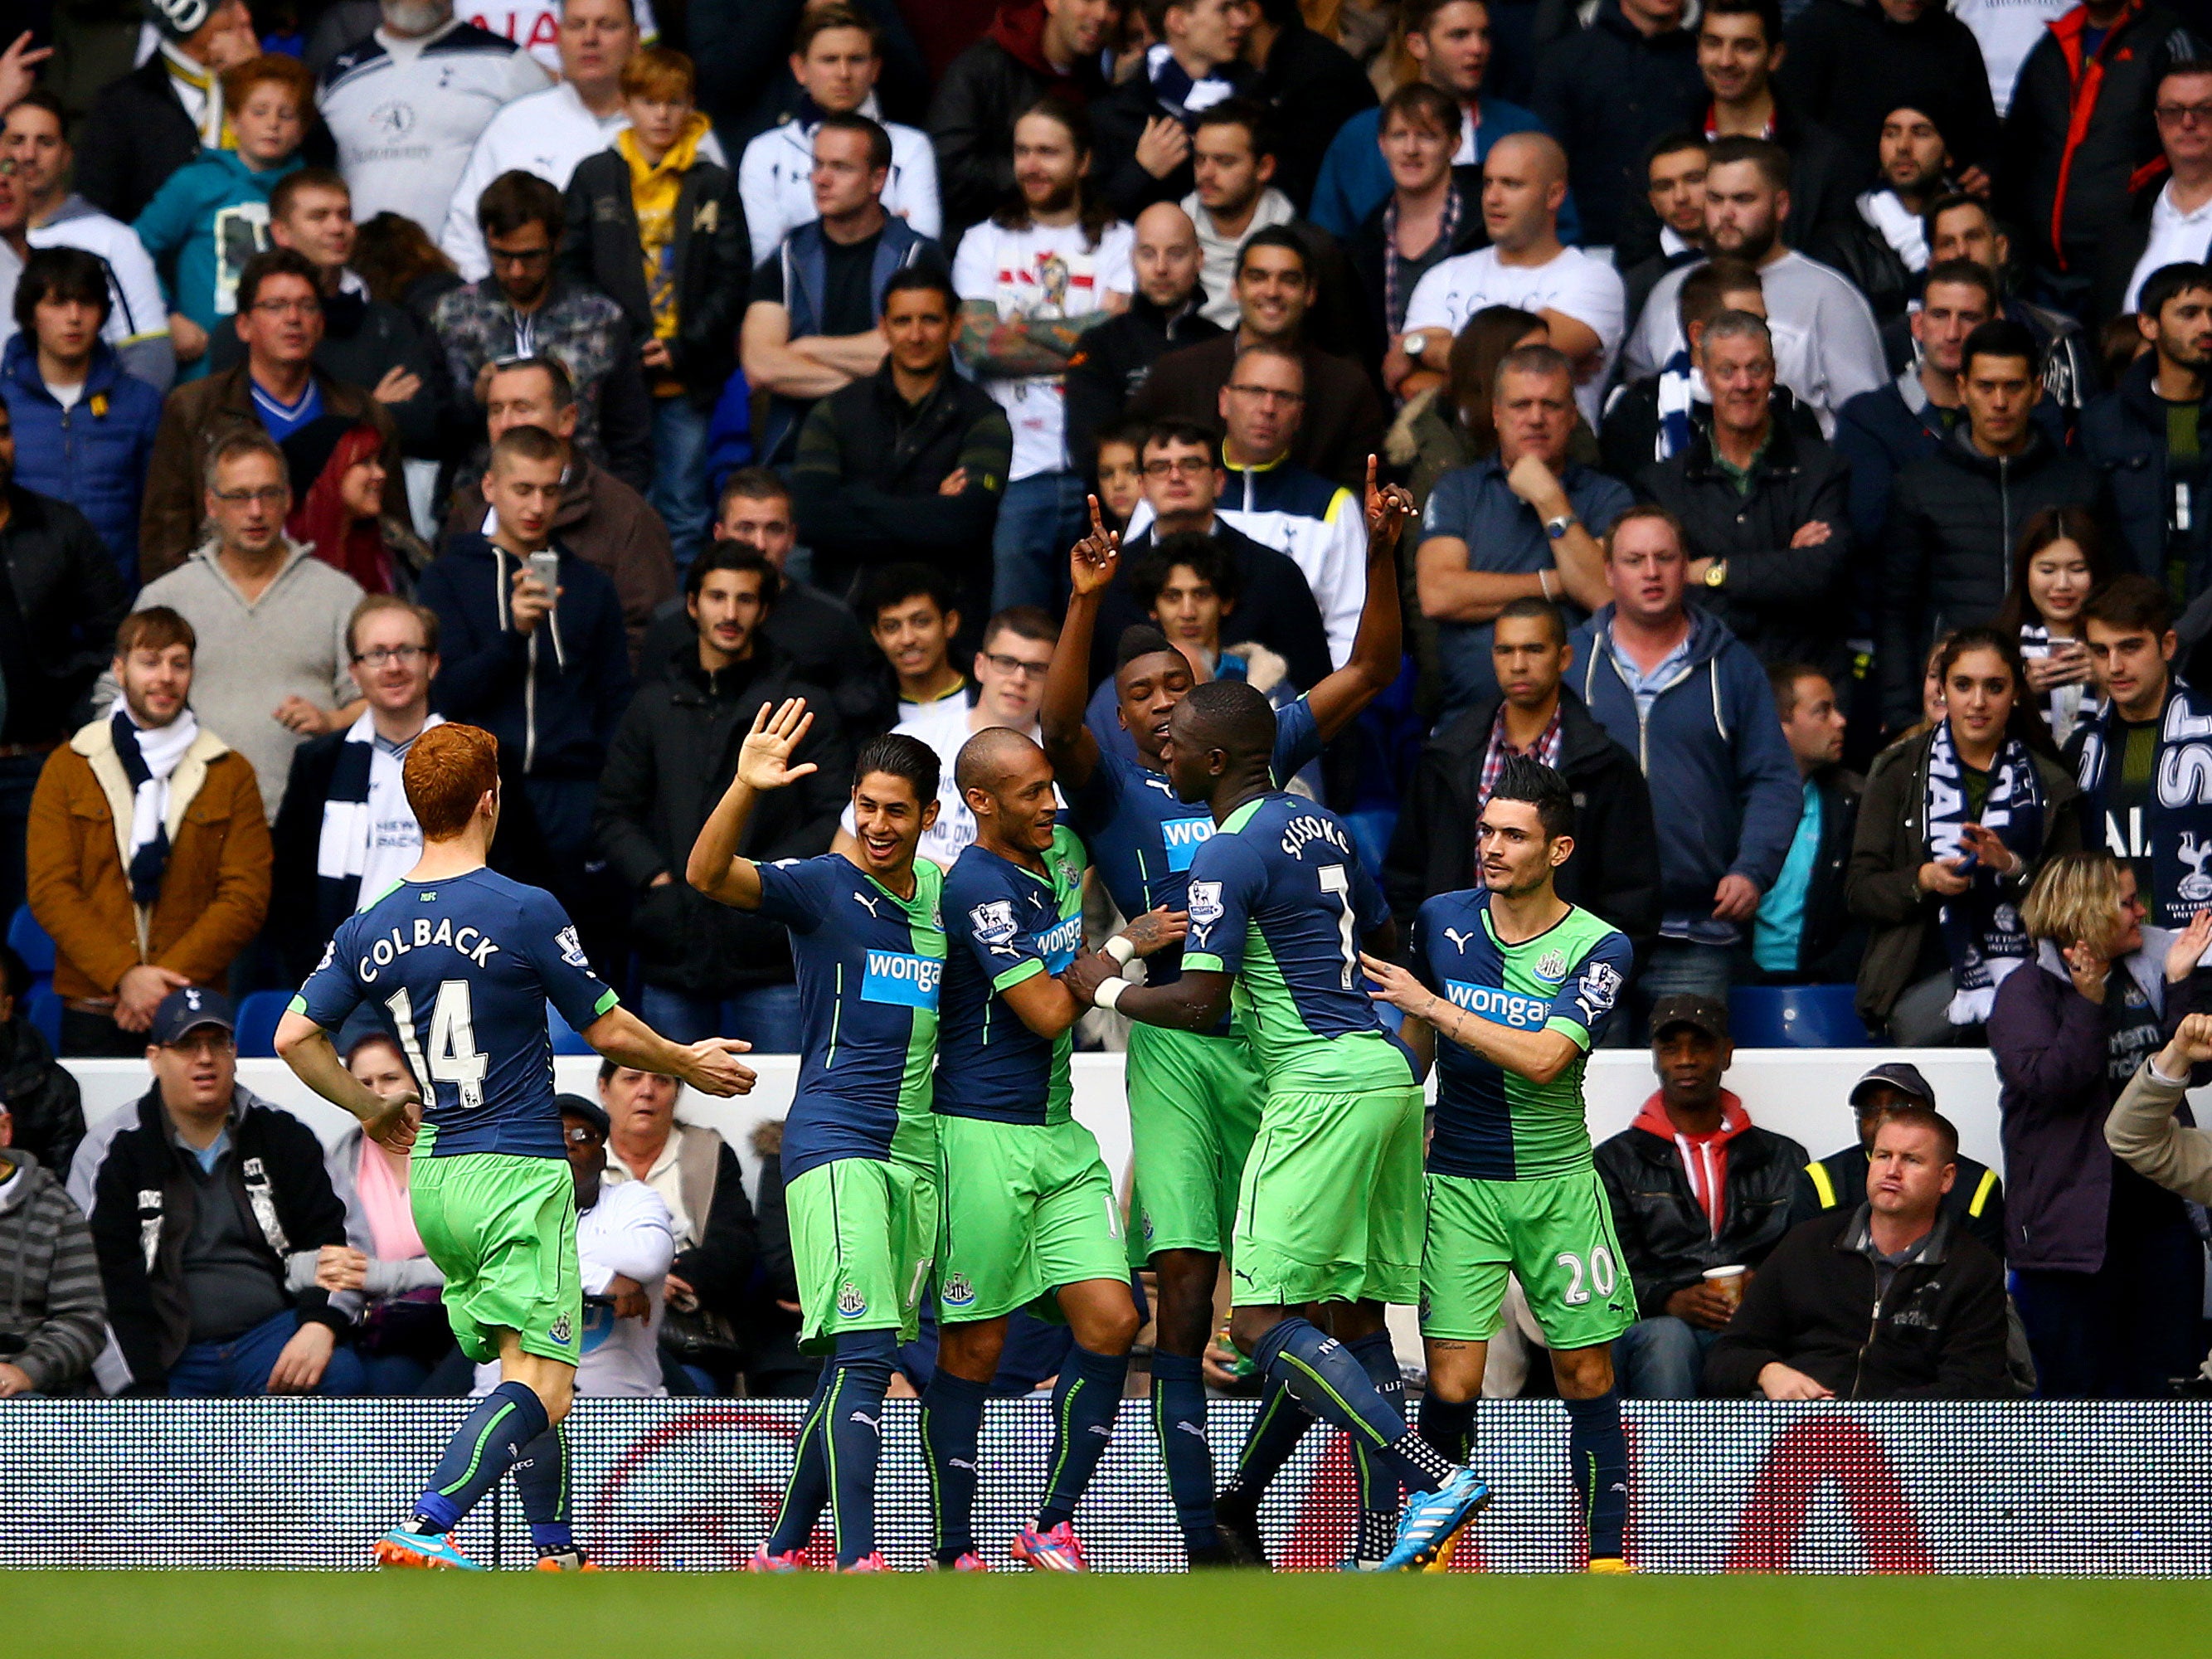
x=1725, y=790
x=92, y=456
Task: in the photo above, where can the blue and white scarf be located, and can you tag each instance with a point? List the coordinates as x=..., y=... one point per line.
x=1981, y=927
x=1679, y=386
x=150, y=756
x=1186, y=98
x=2178, y=819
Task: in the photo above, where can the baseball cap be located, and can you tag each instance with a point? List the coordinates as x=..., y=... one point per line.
x=589, y=1110
x=1706, y=1014
x=1901, y=1076
x=185, y=1010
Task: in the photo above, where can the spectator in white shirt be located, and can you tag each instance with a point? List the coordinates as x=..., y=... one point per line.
x=1581, y=299
x=835, y=59
x=407, y=104
x=548, y=132
x=2181, y=218
x=1032, y=279
x=1828, y=349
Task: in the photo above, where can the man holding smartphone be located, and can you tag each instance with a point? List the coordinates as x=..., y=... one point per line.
x=532, y=648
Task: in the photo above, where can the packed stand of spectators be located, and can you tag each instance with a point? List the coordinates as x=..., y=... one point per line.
x=1812, y=465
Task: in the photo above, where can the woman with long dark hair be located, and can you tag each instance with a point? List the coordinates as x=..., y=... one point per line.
x=2061, y=559
x=1951, y=827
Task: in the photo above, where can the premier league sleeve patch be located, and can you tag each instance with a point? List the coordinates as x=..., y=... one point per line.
x=993, y=922
x=1601, y=985
x=1204, y=900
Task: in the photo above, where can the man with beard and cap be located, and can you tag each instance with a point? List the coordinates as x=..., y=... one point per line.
x=1882, y=245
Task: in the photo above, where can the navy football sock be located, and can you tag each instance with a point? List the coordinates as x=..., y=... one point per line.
x=1324, y=1377
x=852, y=1437
x=1085, y=1403
x=1377, y=1484
x=1179, y=1417
x=1597, y=1451
x=951, y=1424
x=808, y=1489
x=486, y=1445
x=1274, y=1435
x=542, y=1480
x=1448, y=1425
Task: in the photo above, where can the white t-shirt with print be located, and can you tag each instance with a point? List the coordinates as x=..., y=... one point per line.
x=1574, y=284
x=1046, y=272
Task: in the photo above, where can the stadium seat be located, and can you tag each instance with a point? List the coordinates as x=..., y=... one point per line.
x=1795, y=1016
x=45, y=1010
x=257, y=1023
x=565, y=1040
x=29, y=941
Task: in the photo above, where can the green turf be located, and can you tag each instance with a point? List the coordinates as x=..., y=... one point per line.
x=614, y=1616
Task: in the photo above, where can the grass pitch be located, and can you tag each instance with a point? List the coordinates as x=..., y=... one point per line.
x=614, y=1616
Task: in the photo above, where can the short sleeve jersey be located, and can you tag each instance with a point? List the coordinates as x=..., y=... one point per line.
x=1006, y=923
x=464, y=967
x=1278, y=897
x=870, y=966
x=1143, y=838
x=1493, y=1124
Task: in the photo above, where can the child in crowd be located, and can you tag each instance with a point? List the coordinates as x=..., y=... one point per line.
x=212, y=216
x=1120, y=471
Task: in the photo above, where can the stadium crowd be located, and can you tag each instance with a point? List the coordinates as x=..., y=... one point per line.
x=1812, y=462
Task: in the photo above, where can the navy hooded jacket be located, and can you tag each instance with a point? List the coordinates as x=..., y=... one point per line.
x=1727, y=793
x=553, y=696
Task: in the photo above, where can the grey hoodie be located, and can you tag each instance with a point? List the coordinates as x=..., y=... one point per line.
x=52, y=1315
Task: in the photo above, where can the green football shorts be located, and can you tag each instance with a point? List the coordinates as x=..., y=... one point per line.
x=1194, y=1109
x=1028, y=1208
x=863, y=1230
x=502, y=1230
x=1556, y=1235
x=1330, y=1207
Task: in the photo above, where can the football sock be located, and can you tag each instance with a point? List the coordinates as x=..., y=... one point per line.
x=1324, y=1377
x=808, y=1489
x=951, y=1424
x=542, y=1479
x=1448, y=1425
x=1085, y=1403
x=1274, y=1435
x=1597, y=1451
x=852, y=1437
x=1179, y=1417
x=487, y=1444
x=1377, y=1486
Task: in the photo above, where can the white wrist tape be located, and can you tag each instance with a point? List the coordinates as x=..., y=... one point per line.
x=1109, y=993
x=1121, y=948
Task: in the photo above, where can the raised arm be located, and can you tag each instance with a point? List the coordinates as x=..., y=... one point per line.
x=1379, y=648
x=763, y=763
x=710, y=1066
x=1068, y=743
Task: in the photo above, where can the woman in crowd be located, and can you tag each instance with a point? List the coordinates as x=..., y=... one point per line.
x=2110, y=1274
x=404, y=1333
x=338, y=506
x=2061, y=560
x=403, y=266
x=1953, y=825
x=1451, y=425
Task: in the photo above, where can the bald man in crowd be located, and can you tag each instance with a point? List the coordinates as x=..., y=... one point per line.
x=1164, y=316
x=1524, y=183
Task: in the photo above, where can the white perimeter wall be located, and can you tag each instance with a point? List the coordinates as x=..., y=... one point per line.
x=1800, y=1092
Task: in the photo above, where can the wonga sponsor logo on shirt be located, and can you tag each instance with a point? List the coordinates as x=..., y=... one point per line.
x=893, y=976
x=1499, y=1007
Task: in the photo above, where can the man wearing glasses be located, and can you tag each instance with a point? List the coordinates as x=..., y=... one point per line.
x=276, y=391
x=272, y=668
x=2174, y=226
x=1279, y=504
x=1010, y=673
